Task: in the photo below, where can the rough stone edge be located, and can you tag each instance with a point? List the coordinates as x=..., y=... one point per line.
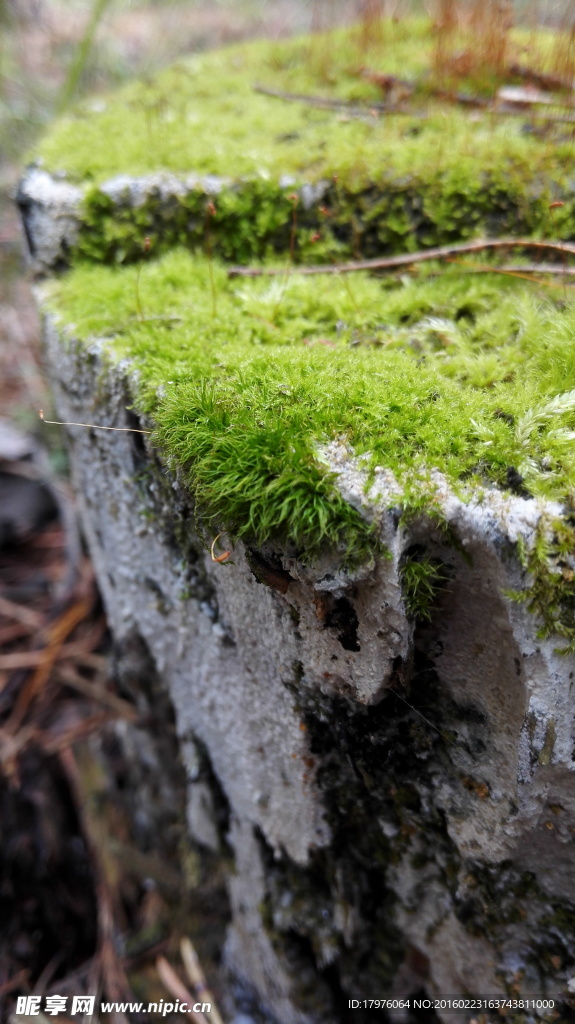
x=51, y=206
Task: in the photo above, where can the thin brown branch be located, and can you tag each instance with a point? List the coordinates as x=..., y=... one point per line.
x=197, y=978
x=53, y=744
x=538, y=268
x=14, y=982
x=328, y=102
x=176, y=987
x=12, y=746
x=114, y=977
x=98, y=693
x=76, y=649
x=408, y=259
x=550, y=83
x=28, y=616
x=14, y=632
x=57, y=633
x=402, y=87
x=521, y=270
x=493, y=108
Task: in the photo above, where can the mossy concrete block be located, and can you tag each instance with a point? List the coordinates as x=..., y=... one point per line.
x=252, y=125
x=380, y=672
x=348, y=738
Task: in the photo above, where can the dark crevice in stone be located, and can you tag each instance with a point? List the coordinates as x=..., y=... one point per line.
x=368, y=773
x=220, y=804
x=157, y=781
x=339, y=614
x=162, y=491
x=516, y=483
x=26, y=205
x=269, y=571
x=343, y=618
x=139, y=453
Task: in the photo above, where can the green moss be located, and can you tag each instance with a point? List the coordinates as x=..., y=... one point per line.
x=404, y=181
x=253, y=219
x=469, y=374
x=168, y=122
x=422, y=578
x=550, y=591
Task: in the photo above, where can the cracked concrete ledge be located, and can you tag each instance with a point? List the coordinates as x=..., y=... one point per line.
x=53, y=209
x=401, y=793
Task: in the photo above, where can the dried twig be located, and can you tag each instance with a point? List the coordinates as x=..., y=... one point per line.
x=390, y=83
x=175, y=985
x=96, y=661
x=12, y=746
x=197, y=978
x=441, y=252
x=550, y=83
x=538, y=268
x=92, y=426
x=327, y=102
x=53, y=744
x=115, y=981
x=370, y=109
x=14, y=632
x=28, y=616
x=14, y=982
x=45, y=977
x=75, y=649
x=95, y=692
x=57, y=633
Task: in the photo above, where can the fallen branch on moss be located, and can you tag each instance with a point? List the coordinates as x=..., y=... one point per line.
x=537, y=268
x=441, y=252
x=369, y=108
x=492, y=107
x=328, y=103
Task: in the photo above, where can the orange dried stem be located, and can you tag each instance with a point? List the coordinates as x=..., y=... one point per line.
x=219, y=558
x=92, y=426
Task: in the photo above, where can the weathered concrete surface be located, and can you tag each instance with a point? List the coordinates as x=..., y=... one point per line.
x=401, y=794
x=53, y=210
x=50, y=211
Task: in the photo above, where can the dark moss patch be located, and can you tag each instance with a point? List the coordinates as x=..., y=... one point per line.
x=253, y=219
x=550, y=589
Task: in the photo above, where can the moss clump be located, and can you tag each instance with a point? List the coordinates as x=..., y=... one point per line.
x=550, y=593
x=253, y=218
x=422, y=578
x=167, y=123
x=430, y=372
x=430, y=175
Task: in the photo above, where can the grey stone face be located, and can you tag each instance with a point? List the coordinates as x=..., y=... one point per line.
x=50, y=212
x=401, y=793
